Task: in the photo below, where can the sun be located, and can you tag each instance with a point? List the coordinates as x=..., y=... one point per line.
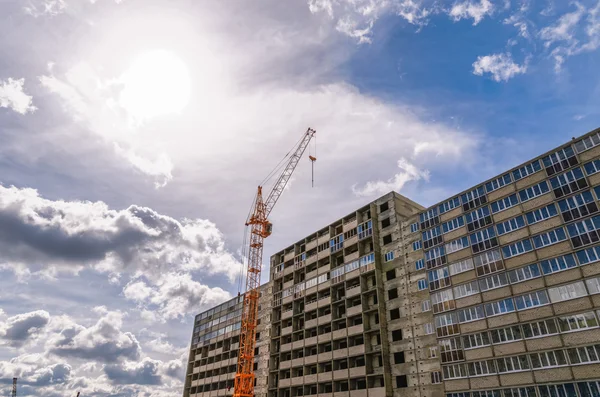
x=157, y=83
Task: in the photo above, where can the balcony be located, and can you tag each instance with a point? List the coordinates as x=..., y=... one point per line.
x=354, y=310
x=288, y=284
x=310, y=306
x=310, y=323
x=289, y=255
x=377, y=392
x=298, y=380
x=297, y=344
x=298, y=362
x=340, y=353
x=286, y=347
x=356, y=329
x=326, y=319
x=349, y=225
x=311, y=275
x=311, y=359
x=325, y=377
x=358, y=371
x=340, y=333
x=310, y=341
x=325, y=356
x=351, y=257
x=323, y=254
x=311, y=259
x=285, y=364
x=287, y=314
x=311, y=244
x=340, y=374
x=284, y=382
x=353, y=291
x=358, y=393
x=324, y=302
x=312, y=378
x=356, y=350
x=286, y=330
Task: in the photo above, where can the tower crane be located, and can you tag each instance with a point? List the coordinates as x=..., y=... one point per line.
x=260, y=228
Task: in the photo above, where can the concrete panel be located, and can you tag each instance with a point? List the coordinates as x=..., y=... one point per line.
x=552, y=375
x=484, y=382
x=358, y=393
x=326, y=319
x=326, y=356
x=310, y=341
x=451, y=214
x=548, y=342
x=478, y=354
x=356, y=350
x=538, y=201
x=513, y=236
x=324, y=301
x=473, y=326
x=456, y=233
x=554, y=250
x=499, y=193
x=463, y=277
x=339, y=333
x=377, y=392
x=545, y=225
x=535, y=313
x=530, y=179
x=592, y=269
x=311, y=359
x=340, y=353
x=520, y=260
x=505, y=349
x=563, y=277
x=506, y=214
x=455, y=385
x=582, y=337
x=357, y=371
x=340, y=374
x=457, y=256
x=468, y=301
x=505, y=319
x=324, y=337
x=573, y=305
x=585, y=371
x=356, y=329
x=496, y=294
x=527, y=286
x=353, y=291
x=590, y=154
x=354, y=310
x=310, y=306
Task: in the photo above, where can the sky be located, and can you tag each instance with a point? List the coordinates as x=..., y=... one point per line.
x=133, y=135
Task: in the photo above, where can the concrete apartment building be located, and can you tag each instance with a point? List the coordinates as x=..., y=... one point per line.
x=494, y=292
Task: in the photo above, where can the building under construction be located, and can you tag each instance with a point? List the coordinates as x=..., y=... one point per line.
x=494, y=292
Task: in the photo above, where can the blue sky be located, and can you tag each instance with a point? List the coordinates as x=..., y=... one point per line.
x=134, y=134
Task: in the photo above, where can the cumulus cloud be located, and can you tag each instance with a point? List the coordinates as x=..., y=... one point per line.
x=17, y=330
x=409, y=172
x=145, y=372
x=175, y=295
x=12, y=96
x=500, y=66
x=469, y=9
x=72, y=234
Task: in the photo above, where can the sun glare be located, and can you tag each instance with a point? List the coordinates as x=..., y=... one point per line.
x=157, y=83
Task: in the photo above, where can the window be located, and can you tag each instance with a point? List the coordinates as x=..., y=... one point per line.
x=492, y=282
x=476, y=340
x=549, y=238
x=446, y=324
x=558, y=264
x=539, y=328
x=453, y=224
x=528, y=391
x=389, y=256
x=588, y=255
x=541, y=213
x=488, y=262
x=566, y=292
x=588, y=389
x=474, y=198
x=429, y=218
x=592, y=167
x=561, y=160
x=435, y=257
x=422, y=284
x=384, y=207
x=414, y=227
x=428, y=328
x=578, y=206
x=432, y=237
x=396, y=335
x=460, y=267
x=385, y=223
x=528, y=169
x=532, y=299
x=399, y=358
x=416, y=244
x=388, y=239
x=577, y=322
x=524, y=273
x=460, y=291
x=401, y=381
x=454, y=371
x=451, y=350
x=426, y=305
x=584, y=232
x=449, y=205
x=534, y=191
x=587, y=143
x=419, y=264
x=500, y=307
x=483, y=239
x=518, y=248
x=481, y=368
x=505, y=335
x=392, y=293
x=554, y=358
x=510, y=225
x=470, y=314
x=505, y=203
x=390, y=274
x=593, y=285
x=457, y=245
x=498, y=183
x=569, y=182
x=443, y=301
x=565, y=390
x=478, y=218
x=512, y=364
x=436, y=377
x=395, y=314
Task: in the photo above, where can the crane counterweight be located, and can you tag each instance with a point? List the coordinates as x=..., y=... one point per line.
x=260, y=228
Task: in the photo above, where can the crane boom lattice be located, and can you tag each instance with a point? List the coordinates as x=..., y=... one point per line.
x=260, y=228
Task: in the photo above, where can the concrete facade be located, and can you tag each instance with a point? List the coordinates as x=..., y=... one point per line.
x=492, y=292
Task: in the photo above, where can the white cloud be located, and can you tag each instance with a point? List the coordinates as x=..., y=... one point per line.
x=38, y=8
x=469, y=9
x=174, y=295
x=409, y=172
x=563, y=29
x=13, y=97
x=69, y=235
x=23, y=328
x=500, y=66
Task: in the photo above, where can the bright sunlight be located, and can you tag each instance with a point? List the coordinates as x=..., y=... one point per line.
x=157, y=83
